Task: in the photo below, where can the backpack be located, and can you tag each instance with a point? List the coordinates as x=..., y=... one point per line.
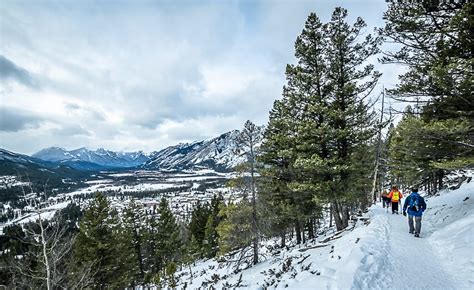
x=396, y=196
x=414, y=203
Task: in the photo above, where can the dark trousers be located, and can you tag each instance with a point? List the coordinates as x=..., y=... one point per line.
x=394, y=207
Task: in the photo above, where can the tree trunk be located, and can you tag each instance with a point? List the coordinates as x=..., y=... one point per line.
x=311, y=229
x=303, y=232
x=45, y=254
x=330, y=215
x=283, y=239
x=345, y=216
x=336, y=213
x=298, y=232
x=440, y=179
x=254, y=207
x=138, y=249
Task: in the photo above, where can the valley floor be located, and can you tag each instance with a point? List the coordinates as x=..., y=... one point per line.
x=378, y=254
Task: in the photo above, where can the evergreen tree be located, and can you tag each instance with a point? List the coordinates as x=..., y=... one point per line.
x=436, y=40
x=152, y=261
x=278, y=156
x=97, y=245
x=235, y=229
x=168, y=233
x=351, y=123
x=323, y=120
x=197, y=227
x=132, y=236
x=211, y=244
x=210, y=241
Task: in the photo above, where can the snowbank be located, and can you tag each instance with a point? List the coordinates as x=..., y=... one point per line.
x=378, y=253
x=450, y=225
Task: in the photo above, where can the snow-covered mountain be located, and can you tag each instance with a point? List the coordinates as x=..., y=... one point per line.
x=16, y=166
x=20, y=159
x=84, y=158
x=219, y=153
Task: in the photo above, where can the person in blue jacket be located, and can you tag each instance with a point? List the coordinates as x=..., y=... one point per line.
x=416, y=205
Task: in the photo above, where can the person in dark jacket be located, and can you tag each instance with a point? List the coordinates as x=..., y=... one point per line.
x=416, y=205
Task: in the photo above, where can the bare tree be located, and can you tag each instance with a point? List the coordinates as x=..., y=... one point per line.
x=50, y=236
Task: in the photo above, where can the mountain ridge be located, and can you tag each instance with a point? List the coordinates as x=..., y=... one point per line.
x=218, y=153
x=86, y=159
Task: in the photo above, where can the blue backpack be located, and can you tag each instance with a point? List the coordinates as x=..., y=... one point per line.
x=414, y=203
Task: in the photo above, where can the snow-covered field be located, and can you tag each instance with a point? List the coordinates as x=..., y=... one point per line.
x=183, y=191
x=46, y=213
x=378, y=254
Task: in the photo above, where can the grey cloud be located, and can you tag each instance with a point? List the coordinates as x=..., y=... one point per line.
x=88, y=113
x=14, y=120
x=10, y=71
x=71, y=130
x=72, y=106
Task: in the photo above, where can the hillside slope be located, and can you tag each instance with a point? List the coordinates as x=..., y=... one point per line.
x=378, y=253
x=218, y=153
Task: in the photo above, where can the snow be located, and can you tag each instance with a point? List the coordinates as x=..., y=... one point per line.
x=148, y=187
x=451, y=230
x=99, y=181
x=194, y=178
x=378, y=253
x=122, y=174
x=46, y=214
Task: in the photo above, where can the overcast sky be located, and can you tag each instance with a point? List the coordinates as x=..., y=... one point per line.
x=143, y=75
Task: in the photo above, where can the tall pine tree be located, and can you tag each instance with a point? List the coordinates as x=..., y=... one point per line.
x=97, y=246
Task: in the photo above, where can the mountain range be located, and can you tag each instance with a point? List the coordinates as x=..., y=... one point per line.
x=217, y=153
x=41, y=174
x=85, y=159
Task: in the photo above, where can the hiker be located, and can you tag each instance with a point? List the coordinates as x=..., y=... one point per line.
x=395, y=196
x=385, y=199
x=416, y=206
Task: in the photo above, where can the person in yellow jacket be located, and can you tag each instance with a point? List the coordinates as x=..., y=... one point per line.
x=395, y=196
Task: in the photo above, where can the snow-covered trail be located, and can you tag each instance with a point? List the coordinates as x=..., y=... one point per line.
x=377, y=253
x=399, y=260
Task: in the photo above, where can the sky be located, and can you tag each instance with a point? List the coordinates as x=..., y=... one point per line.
x=144, y=75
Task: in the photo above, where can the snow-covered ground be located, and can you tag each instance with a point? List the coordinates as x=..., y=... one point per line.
x=46, y=213
x=183, y=191
x=378, y=254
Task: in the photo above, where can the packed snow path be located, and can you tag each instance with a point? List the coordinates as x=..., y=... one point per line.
x=398, y=260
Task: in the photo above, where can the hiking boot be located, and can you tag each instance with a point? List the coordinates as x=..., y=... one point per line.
x=411, y=232
x=417, y=235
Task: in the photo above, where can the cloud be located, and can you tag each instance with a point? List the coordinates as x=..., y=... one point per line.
x=142, y=75
x=10, y=71
x=70, y=131
x=14, y=120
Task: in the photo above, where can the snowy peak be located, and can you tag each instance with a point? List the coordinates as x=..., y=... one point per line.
x=53, y=154
x=83, y=158
x=217, y=153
